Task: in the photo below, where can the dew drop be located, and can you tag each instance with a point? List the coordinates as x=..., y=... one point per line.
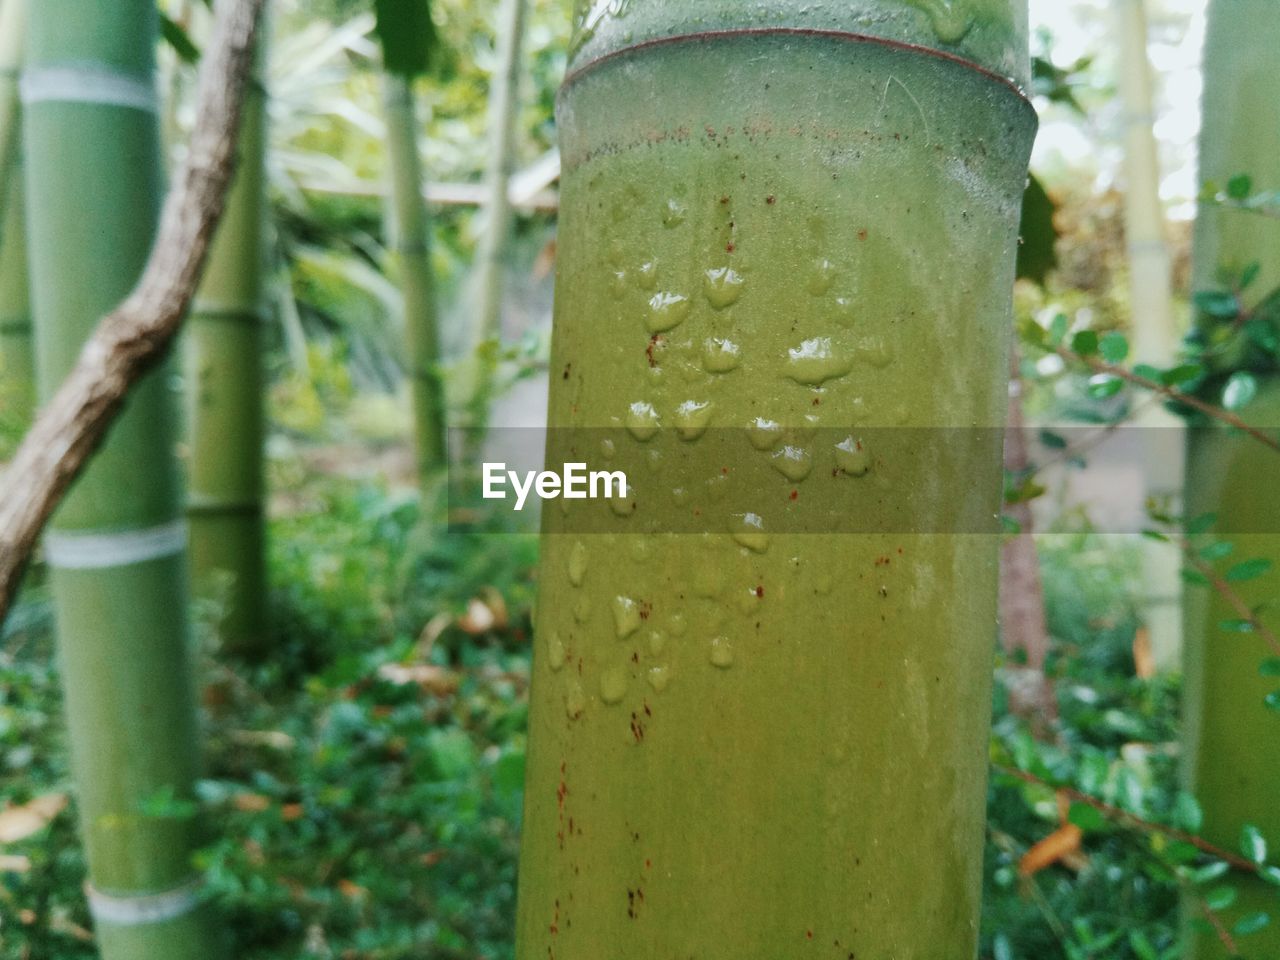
x=647, y=275
x=722, y=286
x=748, y=601
x=657, y=642
x=667, y=310
x=607, y=448
x=794, y=463
x=642, y=421
x=578, y=563
x=640, y=549
x=678, y=625
x=814, y=362
x=749, y=532
x=673, y=213
x=618, y=284
x=692, y=418
x=626, y=616
x=821, y=277
x=717, y=488
x=582, y=609
x=613, y=685
x=722, y=653
x=708, y=580
x=852, y=457
x=764, y=434
x=876, y=351
x=720, y=355
x=555, y=651
x=659, y=678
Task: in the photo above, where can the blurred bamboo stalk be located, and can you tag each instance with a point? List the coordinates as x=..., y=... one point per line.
x=225, y=402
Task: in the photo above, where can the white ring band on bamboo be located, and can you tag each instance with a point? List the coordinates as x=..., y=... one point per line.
x=89, y=83
x=96, y=551
x=144, y=909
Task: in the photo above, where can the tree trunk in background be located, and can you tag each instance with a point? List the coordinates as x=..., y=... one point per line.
x=226, y=417
x=1154, y=336
x=1232, y=751
x=1024, y=631
x=746, y=740
x=409, y=238
x=116, y=545
x=491, y=250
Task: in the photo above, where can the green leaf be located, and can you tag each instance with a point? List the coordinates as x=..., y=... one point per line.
x=1192, y=575
x=1054, y=441
x=1240, y=389
x=1250, y=274
x=1272, y=701
x=1183, y=373
x=1248, y=570
x=408, y=36
x=1210, y=871
x=1219, y=304
x=1156, y=535
x=1037, y=234
x=1086, y=817
x=1114, y=347
x=1201, y=523
x=1253, y=844
x=1187, y=814
x=177, y=37
x=1251, y=923
x=1217, y=551
x=1236, y=626
x=1240, y=186
x=1219, y=898
x=1270, y=667
x=1058, y=329
x=1104, y=385
x=1085, y=343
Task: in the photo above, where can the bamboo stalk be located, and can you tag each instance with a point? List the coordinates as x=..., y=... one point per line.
x=225, y=415
x=17, y=374
x=410, y=241
x=1232, y=754
x=13, y=27
x=746, y=740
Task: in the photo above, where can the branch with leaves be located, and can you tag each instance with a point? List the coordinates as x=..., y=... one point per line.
x=131, y=339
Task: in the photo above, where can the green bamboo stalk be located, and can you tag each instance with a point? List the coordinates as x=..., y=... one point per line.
x=410, y=240
x=13, y=27
x=751, y=741
x=225, y=415
x=494, y=242
x=1232, y=751
x=1153, y=331
x=116, y=545
x=17, y=375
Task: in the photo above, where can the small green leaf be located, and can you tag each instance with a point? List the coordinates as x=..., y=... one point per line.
x=1114, y=347
x=1156, y=535
x=1201, y=523
x=1183, y=373
x=1240, y=389
x=1104, y=385
x=1086, y=817
x=1253, y=844
x=1250, y=274
x=1187, y=814
x=1192, y=575
x=1270, y=667
x=1219, y=304
x=1217, y=551
x=1058, y=329
x=1248, y=570
x=1272, y=701
x=1240, y=186
x=1251, y=923
x=1085, y=343
x=1054, y=441
x=1236, y=626
x=1219, y=898
x=1210, y=871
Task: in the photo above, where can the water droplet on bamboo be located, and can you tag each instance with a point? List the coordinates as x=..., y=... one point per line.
x=555, y=651
x=821, y=277
x=720, y=355
x=575, y=700
x=852, y=457
x=692, y=418
x=613, y=685
x=642, y=421
x=673, y=213
x=646, y=275
x=659, y=678
x=657, y=642
x=722, y=653
x=749, y=532
x=578, y=563
x=626, y=616
x=815, y=361
x=794, y=463
x=764, y=434
x=667, y=310
x=722, y=286
x=582, y=608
